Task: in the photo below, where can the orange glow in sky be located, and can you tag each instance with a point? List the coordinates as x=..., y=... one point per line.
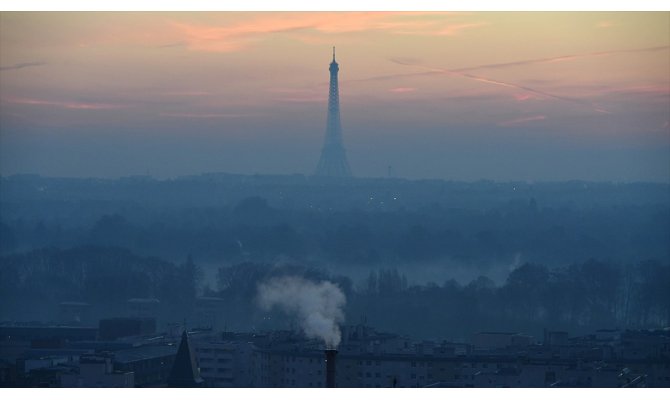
x=586, y=74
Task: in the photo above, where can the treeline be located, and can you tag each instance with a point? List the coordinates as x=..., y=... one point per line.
x=254, y=231
x=32, y=284
x=578, y=298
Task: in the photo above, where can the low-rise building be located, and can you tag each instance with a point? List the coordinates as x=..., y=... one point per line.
x=97, y=371
x=151, y=365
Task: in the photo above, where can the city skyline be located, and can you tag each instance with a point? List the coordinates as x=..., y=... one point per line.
x=461, y=96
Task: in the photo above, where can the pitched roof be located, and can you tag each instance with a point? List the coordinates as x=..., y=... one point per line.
x=184, y=373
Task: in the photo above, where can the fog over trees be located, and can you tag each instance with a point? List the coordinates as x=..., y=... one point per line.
x=431, y=259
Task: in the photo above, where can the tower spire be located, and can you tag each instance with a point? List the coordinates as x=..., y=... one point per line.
x=333, y=162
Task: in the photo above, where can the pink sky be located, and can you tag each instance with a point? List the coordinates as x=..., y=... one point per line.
x=564, y=75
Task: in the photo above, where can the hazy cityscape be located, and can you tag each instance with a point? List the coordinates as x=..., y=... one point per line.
x=509, y=228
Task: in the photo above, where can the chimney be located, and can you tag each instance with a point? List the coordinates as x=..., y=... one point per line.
x=330, y=367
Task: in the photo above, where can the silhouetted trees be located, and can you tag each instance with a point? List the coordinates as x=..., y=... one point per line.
x=34, y=283
x=104, y=241
x=370, y=223
x=581, y=297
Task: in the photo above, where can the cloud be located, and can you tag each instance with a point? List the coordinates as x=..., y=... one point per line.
x=206, y=115
x=304, y=99
x=644, y=89
x=22, y=66
x=70, y=105
x=605, y=24
x=560, y=58
x=187, y=93
x=522, y=121
x=525, y=96
x=394, y=76
x=294, y=95
x=302, y=26
x=232, y=32
x=456, y=29
x=402, y=90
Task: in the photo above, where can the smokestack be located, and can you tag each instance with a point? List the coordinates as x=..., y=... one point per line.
x=330, y=367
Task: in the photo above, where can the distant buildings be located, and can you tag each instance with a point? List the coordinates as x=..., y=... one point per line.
x=97, y=371
x=496, y=340
x=366, y=358
x=114, y=328
x=74, y=313
x=207, y=312
x=225, y=359
x=143, y=308
x=150, y=364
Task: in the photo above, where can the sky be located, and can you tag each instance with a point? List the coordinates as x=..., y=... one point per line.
x=507, y=96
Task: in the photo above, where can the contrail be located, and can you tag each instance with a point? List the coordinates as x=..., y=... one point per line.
x=561, y=58
x=22, y=65
x=515, y=63
x=457, y=71
x=482, y=79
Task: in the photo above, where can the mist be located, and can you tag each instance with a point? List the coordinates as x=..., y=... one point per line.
x=222, y=195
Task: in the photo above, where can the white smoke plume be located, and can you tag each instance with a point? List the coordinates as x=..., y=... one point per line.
x=318, y=306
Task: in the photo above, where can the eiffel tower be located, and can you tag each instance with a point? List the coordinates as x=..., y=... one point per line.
x=333, y=162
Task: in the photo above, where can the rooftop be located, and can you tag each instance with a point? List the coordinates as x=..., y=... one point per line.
x=144, y=353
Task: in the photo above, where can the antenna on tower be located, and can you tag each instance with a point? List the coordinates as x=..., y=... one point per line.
x=333, y=53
